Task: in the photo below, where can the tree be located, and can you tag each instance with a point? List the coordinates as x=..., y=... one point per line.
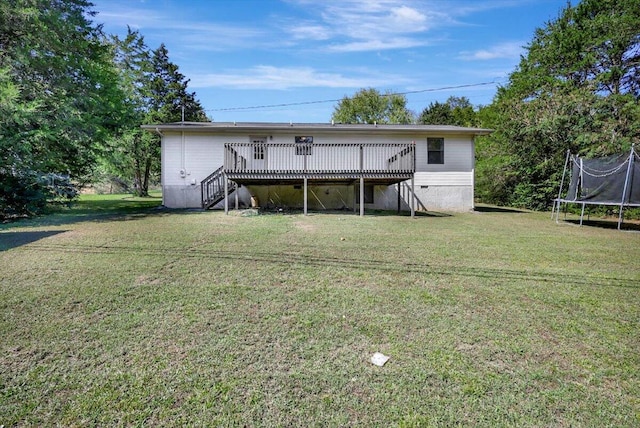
x=455, y=111
x=436, y=113
x=169, y=93
x=131, y=153
x=577, y=88
x=370, y=106
x=59, y=84
x=157, y=93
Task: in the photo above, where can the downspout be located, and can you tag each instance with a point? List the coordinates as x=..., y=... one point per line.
x=183, y=169
x=473, y=173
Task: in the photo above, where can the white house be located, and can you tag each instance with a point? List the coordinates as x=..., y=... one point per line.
x=317, y=166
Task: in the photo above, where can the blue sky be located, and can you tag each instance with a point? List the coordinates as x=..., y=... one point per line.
x=287, y=57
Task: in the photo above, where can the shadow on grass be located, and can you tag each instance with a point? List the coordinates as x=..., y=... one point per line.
x=350, y=212
x=126, y=208
x=292, y=259
x=131, y=208
x=391, y=213
x=9, y=240
x=496, y=209
x=606, y=224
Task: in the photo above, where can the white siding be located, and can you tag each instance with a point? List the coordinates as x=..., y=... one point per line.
x=171, y=160
x=458, y=155
x=187, y=159
x=202, y=157
x=445, y=178
x=198, y=157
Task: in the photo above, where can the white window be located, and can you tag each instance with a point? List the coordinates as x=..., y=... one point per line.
x=435, y=150
x=303, y=145
x=259, y=147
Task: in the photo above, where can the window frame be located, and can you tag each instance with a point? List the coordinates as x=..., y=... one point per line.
x=259, y=147
x=435, y=156
x=305, y=147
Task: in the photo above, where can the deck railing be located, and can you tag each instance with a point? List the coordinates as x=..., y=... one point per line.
x=347, y=159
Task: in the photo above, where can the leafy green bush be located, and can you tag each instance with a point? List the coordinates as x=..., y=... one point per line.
x=27, y=194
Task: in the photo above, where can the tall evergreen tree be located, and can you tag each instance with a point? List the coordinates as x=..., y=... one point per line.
x=157, y=93
x=169, y=93
x=131, y=153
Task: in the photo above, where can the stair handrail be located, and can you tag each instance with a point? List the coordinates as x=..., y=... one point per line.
x=212, y=188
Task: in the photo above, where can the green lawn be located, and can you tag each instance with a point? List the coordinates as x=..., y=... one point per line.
x=117, y=313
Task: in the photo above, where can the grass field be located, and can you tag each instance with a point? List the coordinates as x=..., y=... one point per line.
x=116, y=313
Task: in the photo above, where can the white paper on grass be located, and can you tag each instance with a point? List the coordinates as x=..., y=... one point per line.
x=379, y=359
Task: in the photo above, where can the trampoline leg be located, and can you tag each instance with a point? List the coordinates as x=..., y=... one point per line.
x=582, y=214
x=621, y=216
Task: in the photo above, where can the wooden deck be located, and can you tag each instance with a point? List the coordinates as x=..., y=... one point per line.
x=330, y=162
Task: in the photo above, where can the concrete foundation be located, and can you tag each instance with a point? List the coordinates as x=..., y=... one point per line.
x=327, y=197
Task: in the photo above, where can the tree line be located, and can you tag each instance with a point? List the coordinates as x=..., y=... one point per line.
x=72, y=100
x=577, y=88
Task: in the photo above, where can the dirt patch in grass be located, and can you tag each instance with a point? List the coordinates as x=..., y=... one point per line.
x=305, y=226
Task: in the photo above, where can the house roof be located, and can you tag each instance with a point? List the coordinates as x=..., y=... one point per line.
x=306, y=128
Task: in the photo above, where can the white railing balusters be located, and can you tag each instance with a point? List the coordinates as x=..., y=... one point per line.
x=319, y=158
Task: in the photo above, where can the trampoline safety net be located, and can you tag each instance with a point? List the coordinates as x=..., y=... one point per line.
x=611, y=180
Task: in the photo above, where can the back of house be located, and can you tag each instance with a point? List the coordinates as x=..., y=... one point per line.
x=317, y=166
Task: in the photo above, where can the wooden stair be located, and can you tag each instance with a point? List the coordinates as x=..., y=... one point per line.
x=212, y=188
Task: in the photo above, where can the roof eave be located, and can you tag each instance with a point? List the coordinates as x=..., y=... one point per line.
x=239, y=127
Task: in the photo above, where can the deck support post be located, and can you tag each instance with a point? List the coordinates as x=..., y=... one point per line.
x=361, y=196
x=355, y=196
x=236, y=197
x=361, y=181
x=413, y=196
x=226, y=194
x=305, y=196
x=399, y=197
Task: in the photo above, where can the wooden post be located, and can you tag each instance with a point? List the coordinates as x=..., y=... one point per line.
x=355, y=196
x=413, y=183
x=399, y=198
x=413, y=197
x=361, y=182
x=236, y=195
x=305, y=196
x=226, y=194
x=361, y=196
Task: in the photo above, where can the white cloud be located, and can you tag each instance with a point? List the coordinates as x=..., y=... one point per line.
x=134, y=18
x=368, y=25
x=365, y=25
x=196, y=35
x=377, y=45
x=406, y=16
x=308, y=30
x=283, y=78
x=509, y=50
